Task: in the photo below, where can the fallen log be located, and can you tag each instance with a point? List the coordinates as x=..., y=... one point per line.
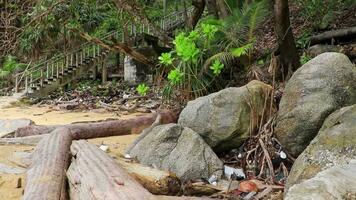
x=155, y=181
x=46, y=177
x=29, y=140
x=103, y=129
x=94, y=175
x=334, y=34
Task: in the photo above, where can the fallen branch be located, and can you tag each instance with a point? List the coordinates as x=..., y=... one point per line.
x=94, y=175
x=46, y=178
x=155, y=181
x=103, y=129
x=342, y=33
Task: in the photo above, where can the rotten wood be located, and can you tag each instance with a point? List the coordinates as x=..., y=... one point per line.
x=156, y=181
x=334, y=34
x=46, y=177
x=95, y=175
x=103, y=129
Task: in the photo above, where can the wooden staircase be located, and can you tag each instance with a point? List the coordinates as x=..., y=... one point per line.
x=45, y=77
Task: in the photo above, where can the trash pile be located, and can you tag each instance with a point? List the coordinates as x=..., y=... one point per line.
x=259, y=166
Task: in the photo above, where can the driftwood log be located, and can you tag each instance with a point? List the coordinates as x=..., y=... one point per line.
x=46, y=177
x=103, y=129
x=29, y=140
x=334, y=34
x=155, y=181
x=94, y=175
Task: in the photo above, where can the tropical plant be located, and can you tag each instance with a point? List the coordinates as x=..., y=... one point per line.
x=142, y=89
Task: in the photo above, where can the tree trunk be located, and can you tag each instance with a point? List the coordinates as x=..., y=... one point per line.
x=222, y=8
x=156, y=181
x=287, y=52
x=212, y=8
x=103, y=129
x=94, y=175
x=199, y=6
x=46, y=178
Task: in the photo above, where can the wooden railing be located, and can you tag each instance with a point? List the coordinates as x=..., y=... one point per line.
x=37, y=74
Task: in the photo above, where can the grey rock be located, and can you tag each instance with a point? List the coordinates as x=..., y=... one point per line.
x=10, y=126
x=223, y=118
x=326, y=169
x=180, y=150
x=318, y=88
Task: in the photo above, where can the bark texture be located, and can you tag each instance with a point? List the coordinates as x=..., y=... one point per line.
x=103, y=129
x=94, y=175
x=46, y=177
x=334, y=34
x=199, y=6
x=287, y=51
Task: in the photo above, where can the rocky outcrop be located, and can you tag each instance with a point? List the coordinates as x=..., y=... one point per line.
x=10, y=126
x=318, y=88
x=180, y=150
x=225, y=118
x=327, y=168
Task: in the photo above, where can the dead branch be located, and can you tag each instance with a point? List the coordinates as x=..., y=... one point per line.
x=334, y=34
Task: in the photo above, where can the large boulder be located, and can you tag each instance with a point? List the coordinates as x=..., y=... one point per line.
x=180, y=150
x=225, y=118
x=327, y=168
x=321, y=86
x=10, y=126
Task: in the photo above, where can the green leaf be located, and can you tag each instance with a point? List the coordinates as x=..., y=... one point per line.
x=175, y=76
x=142, y=89
x=166, y=59
x=241, y=50
x=217, y=67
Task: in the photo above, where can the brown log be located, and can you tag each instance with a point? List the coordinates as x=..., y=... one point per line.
x=94, y=175
x=46, y=177
x=156, y=181
x=334, y=34
x=103, y=129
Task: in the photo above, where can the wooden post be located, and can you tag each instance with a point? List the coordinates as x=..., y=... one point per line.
x=47, y=70
x=17, y=83
x=41, y=78
x=104, y=75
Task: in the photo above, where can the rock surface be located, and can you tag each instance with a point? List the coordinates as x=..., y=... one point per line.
x=223, y=118
x=321, y=86
x=327, y=168
x=9, y=126
x=180, y=150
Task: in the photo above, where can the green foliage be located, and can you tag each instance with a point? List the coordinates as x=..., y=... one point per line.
x=142, y=89
x=186, y=48
x=304, y=41
x=238, y=52
x=304, y=58
x=175, y=76
x=321, y=12
x=217, y=67
x=166, y=59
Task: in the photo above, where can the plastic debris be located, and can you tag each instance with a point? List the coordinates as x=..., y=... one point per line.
x=213, y=180
x=104, y=148
x=233, y=173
